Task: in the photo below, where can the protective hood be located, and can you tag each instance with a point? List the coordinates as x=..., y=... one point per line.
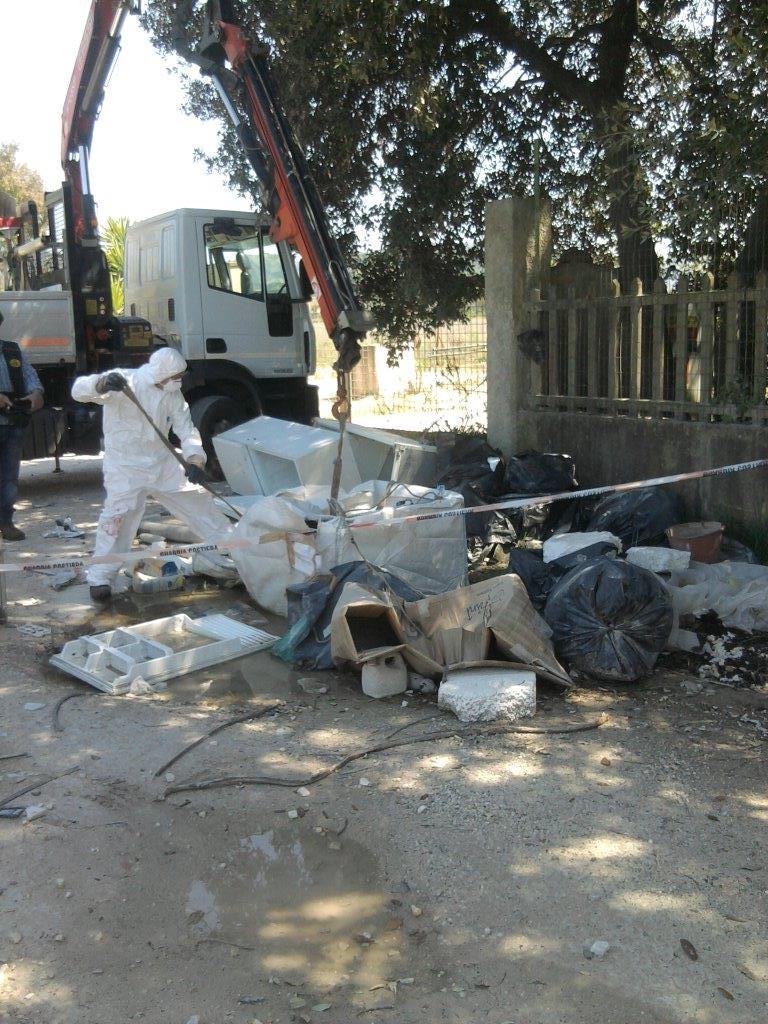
x=166, y=362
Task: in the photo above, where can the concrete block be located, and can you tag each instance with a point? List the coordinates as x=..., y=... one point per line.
x=484, y=693
x=659, y=559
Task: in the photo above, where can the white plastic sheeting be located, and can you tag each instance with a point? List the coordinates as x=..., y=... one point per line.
x=430, y=555
x=282, y=549
x=569, y=543
x=736, y=591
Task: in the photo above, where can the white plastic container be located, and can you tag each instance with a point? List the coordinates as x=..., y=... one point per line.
x=152, y=576
x=385, y=676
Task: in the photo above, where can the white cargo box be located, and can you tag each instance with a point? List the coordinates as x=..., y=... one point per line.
x=267, y=455
x=381, y=455
x=42, y=323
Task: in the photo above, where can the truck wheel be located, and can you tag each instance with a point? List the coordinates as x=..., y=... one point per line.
x=214, y=414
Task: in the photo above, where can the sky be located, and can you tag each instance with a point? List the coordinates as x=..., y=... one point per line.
x=142, y=160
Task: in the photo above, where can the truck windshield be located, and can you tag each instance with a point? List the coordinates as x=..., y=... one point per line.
x=238, y=258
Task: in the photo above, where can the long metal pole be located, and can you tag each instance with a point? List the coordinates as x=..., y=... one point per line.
x=181, y=461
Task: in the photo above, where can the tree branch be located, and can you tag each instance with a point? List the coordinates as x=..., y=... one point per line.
x=657, y=45
x=484, y=17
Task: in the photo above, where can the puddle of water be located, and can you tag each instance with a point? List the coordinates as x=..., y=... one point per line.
x=307, y=909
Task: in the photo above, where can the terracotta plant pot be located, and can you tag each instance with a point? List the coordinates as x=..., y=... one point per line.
x=701, y=539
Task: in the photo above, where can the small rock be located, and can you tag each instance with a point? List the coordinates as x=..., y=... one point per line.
x=293, y=814
x=170, y=777
x=334, y=846
x=416, y=911
x=32, y=706
x=296, y=1002
x=605, y=762
x=58, y=937
x=194, y=1020
x=364, y=782
x=597, y=949
x=14, y=937
x=321, y=1007
x=302, y=791
x=690, y=688
x=60, y=883
x=422, y=809
x=420, y=684
x=34, y=811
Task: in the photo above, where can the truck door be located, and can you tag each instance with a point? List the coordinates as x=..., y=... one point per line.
x=248, y=315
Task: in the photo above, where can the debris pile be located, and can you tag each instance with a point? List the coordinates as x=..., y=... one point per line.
x=376, y=578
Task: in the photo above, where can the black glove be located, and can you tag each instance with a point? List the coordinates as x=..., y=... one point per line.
x=195, y=474
x=112, y=381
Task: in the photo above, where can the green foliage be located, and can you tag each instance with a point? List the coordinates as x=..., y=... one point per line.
x=113, y=243
x=414, y=113
x=17, y=179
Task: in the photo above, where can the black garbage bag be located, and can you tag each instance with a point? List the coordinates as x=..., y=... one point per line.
x=539, y=473
x=307, y=642
x=535, y=473
x=610, y=619
x=469, y=474
x=536, y=575
x=637, y=517
x=469, y=464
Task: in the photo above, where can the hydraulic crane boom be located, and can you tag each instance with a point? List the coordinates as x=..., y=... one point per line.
x=98, y=49
x=288, y=190
x=87, y=265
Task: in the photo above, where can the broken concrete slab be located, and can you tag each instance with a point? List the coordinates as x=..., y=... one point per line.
x=487, y=692
x=659, y=559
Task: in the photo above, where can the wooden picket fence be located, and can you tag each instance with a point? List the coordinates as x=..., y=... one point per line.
x=680, y=354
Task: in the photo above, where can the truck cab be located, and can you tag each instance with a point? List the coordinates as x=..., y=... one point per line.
x=214, y=285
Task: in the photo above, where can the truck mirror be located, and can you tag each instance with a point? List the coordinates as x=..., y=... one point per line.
x=305, y=286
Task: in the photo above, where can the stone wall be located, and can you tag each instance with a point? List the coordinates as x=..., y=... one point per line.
x=615, y=449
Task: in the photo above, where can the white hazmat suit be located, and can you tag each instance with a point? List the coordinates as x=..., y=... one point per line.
x=137, y=465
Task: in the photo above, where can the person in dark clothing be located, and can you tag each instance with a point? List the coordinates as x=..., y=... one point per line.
x=21, y=394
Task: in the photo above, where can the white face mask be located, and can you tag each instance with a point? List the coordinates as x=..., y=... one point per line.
x=172, y=385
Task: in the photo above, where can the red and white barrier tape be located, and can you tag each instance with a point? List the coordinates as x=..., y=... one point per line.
x=120, y=557
x=588, y=492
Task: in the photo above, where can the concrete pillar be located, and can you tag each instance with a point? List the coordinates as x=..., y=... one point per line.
x=518, y=245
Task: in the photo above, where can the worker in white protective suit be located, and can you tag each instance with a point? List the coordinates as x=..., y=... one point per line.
x=137, y=465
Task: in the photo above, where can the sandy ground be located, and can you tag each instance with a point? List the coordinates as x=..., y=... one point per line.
x=461, y=884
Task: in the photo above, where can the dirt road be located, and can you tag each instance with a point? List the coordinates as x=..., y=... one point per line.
x=457, y=881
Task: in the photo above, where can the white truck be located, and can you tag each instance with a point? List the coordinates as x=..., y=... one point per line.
x=214, y=285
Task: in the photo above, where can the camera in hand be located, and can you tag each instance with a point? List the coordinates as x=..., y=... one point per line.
x=19, y=412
